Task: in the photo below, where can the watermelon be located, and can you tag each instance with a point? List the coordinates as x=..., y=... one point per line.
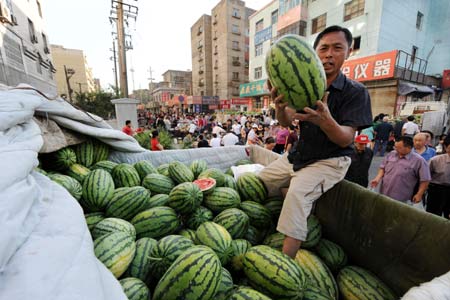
x=353, y=280
x=185, y=197
x=196, y=274
x=217, y=174
x=135, y=289
x=294, y=68
x=139, y=266
x=127, y=202
x=144, y=167
x=106, y=165
x=229, y=182
x=217, y=238
x=235, y=221
x=180, y=173
x=163, y=170
x=243, y=162
x=77, y=171
x=157, y=200
x=116, y=251
x=85, y=153
x=158, y=184
x=198, y=166
x=166, y=252
x=188, y=233
x=317, y=273
x=206, y=185
x=69, y=183
x=199, y=216
x=101, y=151
x=98, y=189
x=64, y=158
x=110, y=225
x=246, y=293
x=274, y=206
x=93, y=219
x=251, y=187
x=260, y=216
x=314, y=293
x=274, y=273
x=254, y=235
x=275, y=241
x=125, y=175
x=225, y=287
x=156, y=222
x=222, y=198
x=240, y=247
x=314, y=232
x=332, y=255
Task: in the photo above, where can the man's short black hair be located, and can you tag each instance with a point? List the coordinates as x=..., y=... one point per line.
x=270, y=140
x=200, y=137
x=127, y=122
x=335, y=28
x=155, y=133
x=446, y=141
x=411, y=118
x=407, y=141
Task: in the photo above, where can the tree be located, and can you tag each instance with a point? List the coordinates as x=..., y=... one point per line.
x=98, y=103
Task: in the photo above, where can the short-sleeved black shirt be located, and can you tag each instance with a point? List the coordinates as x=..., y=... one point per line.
x=349, y=104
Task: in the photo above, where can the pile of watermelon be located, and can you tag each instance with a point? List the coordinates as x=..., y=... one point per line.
x=179, y=231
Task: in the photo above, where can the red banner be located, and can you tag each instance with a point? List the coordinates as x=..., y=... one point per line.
x=446, y=79
x=225, y=106
x=374, y=67
x=213, y=107
x=240, y=101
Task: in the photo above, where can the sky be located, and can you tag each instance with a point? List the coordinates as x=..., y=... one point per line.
x=161, y=35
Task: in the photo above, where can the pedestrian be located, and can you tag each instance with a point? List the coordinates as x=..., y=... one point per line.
x=252, y=136
x=438, y=201
x=216, y=141
x=230, y=139
x=154, y=143
x=127, y=129
x=321, y=157
x=429, y=138
x=358, y=172
x=281, y=140
x=236, y=127
x=291, y=139
x=410, y=128
x=217, y=129
x=382, y=133
x=401, y=171
x=421, y=147
x=440, y=145
x=202, y=142
x=398, y=128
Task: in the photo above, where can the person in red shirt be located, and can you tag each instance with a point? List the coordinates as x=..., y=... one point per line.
x=154, y=143
x=127, y=129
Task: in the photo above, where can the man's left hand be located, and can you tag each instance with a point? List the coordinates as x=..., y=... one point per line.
x=318, y=116
x=416, y=198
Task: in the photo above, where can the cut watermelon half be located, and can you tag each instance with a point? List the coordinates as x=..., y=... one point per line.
x=206, y=185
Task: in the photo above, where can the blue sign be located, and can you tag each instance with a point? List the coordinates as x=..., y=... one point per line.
x=197, y=108
x=210, y=100
x=181, y=98
x=263, y=35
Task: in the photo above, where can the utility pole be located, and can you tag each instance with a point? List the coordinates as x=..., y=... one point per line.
x=114, y=58
x=151, y=87
x=68, y=72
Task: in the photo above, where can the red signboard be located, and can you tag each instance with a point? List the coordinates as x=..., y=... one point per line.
x=446, y=79
x=374, y=67
x=225, y=106
x=240, y=101
x=213, y=107
x=225, y=102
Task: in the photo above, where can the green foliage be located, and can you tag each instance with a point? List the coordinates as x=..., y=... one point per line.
x=165, y=139
x=98, y=103
x=143, y=138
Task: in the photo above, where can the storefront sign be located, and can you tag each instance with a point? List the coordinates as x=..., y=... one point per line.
x=263, y=35
x=211, y=107
x=210, y=100
x=254, y=88
x=374, y=67
x=240, y=101
x=225, y=106
x=446, y=79
x=197, y=108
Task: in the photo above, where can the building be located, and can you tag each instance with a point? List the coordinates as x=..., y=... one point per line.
x=73, y=74
x=400, y=48
x=220, y=52
x=25, y=55
x=179, y=79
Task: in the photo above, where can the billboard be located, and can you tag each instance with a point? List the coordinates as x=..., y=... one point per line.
x=446, y=79
x=374, y=67
x=263, y=35
x=254, y=88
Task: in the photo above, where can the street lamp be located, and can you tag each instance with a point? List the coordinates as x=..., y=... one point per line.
x=69, y=72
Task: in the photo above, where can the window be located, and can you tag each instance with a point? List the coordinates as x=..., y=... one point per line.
x=215, y=35
x=235, y=76
x=217, y=78
x=215, y=20
x=44, y=40
x=236, y=45
x=353, y=9
x=215, y=49
x=259, y=25
x=419, y=20
x=236, y=13
x=259, y=49
x=235, y=29
x=200, y=30
x=200, y=44
x=39, y=8
x=31, y=31
x=258, y=72
x=318, y=24
x=236, y=61
x=38, y=64
x=356, y=43
x=275, y=17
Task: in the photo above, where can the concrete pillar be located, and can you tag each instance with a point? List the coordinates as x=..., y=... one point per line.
x=126, y=109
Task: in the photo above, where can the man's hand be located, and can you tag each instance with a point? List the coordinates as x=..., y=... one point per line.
x=318, y=116
x=282, y=112
x=374, y=183
x=417, y=198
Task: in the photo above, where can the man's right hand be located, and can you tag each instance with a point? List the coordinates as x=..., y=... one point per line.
x=282, y=113
x=374, y=183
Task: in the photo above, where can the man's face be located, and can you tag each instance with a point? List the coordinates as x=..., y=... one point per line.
x=419, y=141
x=360, y=147
x=333, y=50
x=272, y=145
x=401, y=148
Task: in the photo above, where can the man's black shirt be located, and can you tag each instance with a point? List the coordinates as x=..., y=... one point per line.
x=358, y=172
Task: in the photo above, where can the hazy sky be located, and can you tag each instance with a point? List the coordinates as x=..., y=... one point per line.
x=161, y=35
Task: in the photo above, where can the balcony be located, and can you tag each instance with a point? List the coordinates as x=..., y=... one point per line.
x=201, y=84
x=200, y=72
x=215, y=38
x=216, y=67
x=235, y=79
x=236, y=32
x=236, y=63
x=215, y=52
x=200, y=59
x=236, y=49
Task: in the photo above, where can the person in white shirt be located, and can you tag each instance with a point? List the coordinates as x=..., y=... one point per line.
x=230, y=139
x=236, y=127
x=218, y=129
x=252, y=137
x=243, y=120
x=215, y=141
x=410, y=128
x=192, y=128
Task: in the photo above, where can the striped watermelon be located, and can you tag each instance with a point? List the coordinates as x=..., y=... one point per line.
x=127, y=202
x=199, y=216
x=318, y=274
x=185, y=197
x=157, y=200
x=77, y=171
x=106, y=165
x=217, y=238
x=294, y=68
x=116, y=251
x=110, y=225
x=314, y=232
x=166, y=252
x=246, y=293
x=235, y=221
x=135, y=289
x=156, y=222
x=275, y=241
x=98, y=189
x=229, y=182
x=244, y=161
x=198, y=166
x=225, y=287
x=314, y=293
x=357, y=283
x=85, y=153
x=158, y=184
x=93, y=219
x=188, y=233
x=274, y=206
x=180, y=173
x=125, y=176
x=64, y=158
x=240, y=247
x=222, y=198
x=195, y=275
x=251, y=187
x=163, y=170
x=139, y=266
x=144, y=167
x=69, y=183
x=101, y=151
x=254, y=235
x=215, y=173
x=260, y=216
x=332, y=255
x=274, y=273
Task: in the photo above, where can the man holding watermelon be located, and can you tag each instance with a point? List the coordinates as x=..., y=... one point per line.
x=320, y=159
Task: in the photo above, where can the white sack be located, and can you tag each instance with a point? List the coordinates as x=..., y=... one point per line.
x=436, y=289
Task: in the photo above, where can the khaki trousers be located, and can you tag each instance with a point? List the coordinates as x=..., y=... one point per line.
x=305, y=186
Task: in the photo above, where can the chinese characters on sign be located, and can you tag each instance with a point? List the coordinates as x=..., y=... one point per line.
x=374, y=67
x=254, y=88
x=263, y=35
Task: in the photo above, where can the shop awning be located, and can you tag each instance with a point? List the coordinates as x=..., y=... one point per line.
x=408, y=88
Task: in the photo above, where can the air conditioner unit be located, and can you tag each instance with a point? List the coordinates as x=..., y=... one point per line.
x=5, y=13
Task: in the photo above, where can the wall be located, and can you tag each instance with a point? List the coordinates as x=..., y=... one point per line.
x=383, y=96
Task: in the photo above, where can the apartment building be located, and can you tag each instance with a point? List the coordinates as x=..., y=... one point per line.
x=25, y=55
x=179, y=79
